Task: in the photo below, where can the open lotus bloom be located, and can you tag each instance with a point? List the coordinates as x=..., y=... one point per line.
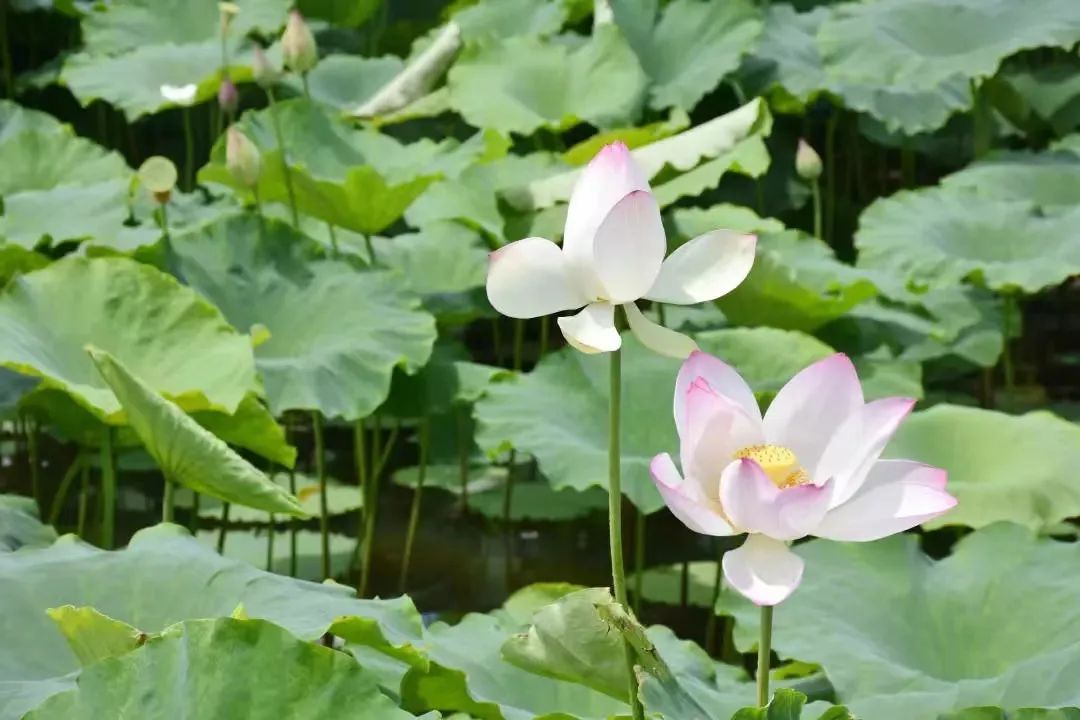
x=810, y=467
x=613, y=254
x=179, y=94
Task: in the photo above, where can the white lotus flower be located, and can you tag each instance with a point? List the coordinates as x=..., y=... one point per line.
x=613, y=254
x=810, y=466
x=180, y=94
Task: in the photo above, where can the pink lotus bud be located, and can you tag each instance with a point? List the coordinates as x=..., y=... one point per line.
x=298, y=44
x=228, y=98
x=807, y=162
x=263, y=72
x=242, y=157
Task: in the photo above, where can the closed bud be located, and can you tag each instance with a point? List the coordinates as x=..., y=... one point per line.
x=807, y=162
x=158, y=175
x=227, y=96
x=298, y=44
x=242, y=158
x=262, y=71
x=227, y=11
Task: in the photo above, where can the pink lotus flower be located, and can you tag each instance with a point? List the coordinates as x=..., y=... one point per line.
x=810, y=467
x=613, y=254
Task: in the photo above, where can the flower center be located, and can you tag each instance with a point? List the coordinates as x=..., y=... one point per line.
x=779, y=463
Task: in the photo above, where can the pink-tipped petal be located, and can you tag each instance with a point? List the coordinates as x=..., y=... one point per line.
x=707, y=267
x=721, y=377
x=609, y=177
x=592, y=330
x=629, y=247
x=754, y=504
x=857, y=444
x=715, y=429
x=896, y=496
x=808, y=410
x=530, y=278
x=683, y=498
x=658, y=338
x=763, y=570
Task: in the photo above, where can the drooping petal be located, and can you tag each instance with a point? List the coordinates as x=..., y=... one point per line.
x=592, y=330
x=683, y=498
x=609, y=177
x=896, y=496
x=810, y=408
x=763, y=570
x=721, y=377
x=707, y=267
x=714, y=430
x=530, y=278
x=858, y=443
x=629, y=247
x=658, y=338
x=754, y=504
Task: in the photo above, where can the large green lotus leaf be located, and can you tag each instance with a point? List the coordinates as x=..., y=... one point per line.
x=522, y=84
x=902, y=636
x=796, y=283
x=251, y=427
x=558, y=412
x=633, y=137
x=178, y=343
x=162, y=577
x=498, y=19
x=1001, y=467
x=468, y=673
x=919, y=44
x=15, y=119
x=449, y=380
x=941, y=236
x=1052, y=92
x=692, y=46
x=224, y=668
x=41, y=160
x=989, y=713
x=132, y=81
x=357, y=179
x=96, y=212
x=789, y=705
x=706, y=150
x=691, y=222
x=122, y=27
x=187, y=453
x=787, y=65
x=250, y=547
x=336, y=333
x=17, y=260
x=346, y=81
x=21, y=526
x=1049, y=180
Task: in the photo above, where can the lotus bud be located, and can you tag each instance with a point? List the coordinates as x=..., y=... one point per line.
x=228, y=98
x=242, y=158
x=262, y=71
x=227, y=10
x=807, y=162
x=298, y=44
x=158, y=175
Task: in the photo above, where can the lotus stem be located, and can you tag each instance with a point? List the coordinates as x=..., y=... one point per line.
x=496, y=337
x=710, y=625
x=33, y=457
x=618, y=573
x=907, y=164
x=320, y=471
x=270, y=545
x=545, y=334
x=360, y=452
x=223, y=532
x=1009, y=308
x=982, y=133
x=108, y=490
x=294, y=528
x=280, y=138
x=193, y=521
x=65, y=486
x=5, y=52
x=189, y=151
x=463, y=448
x=259, y=212
x=764, y=655
x=84, y=499
x=370, y=249
x=684, y=584
x=333, y=239
x=815, y=187
x=167, y=502
x=371, y=502
x=414, y=511
x=639, y=558
x=165, y=219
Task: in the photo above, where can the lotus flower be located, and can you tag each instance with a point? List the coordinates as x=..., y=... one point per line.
x=179, y=94
x=242, y=158
x=613, y=254
x=298, y=44
x=810, y=467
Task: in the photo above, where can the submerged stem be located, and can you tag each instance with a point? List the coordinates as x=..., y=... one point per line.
x=223, y=531
x=815, y=187
x=1007, y=311
x=414, y=511
x=5, y=52
x=294, y=527
x=764, y=655
x=320, y=472
x=33, y=457
x=108, y=490
x=618, y=573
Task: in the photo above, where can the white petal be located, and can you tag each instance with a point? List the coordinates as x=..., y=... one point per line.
x=723, y=379
x=530, y=278
x=715, y=430
x=811, y=406
x=629, y=247
x=707, y=267
x=609, y=177
x=684, y=499
x=658, y=338
x=763, y=570
x=896, y=496
x=592, y=330
x=179, y=94
x=857, y=444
